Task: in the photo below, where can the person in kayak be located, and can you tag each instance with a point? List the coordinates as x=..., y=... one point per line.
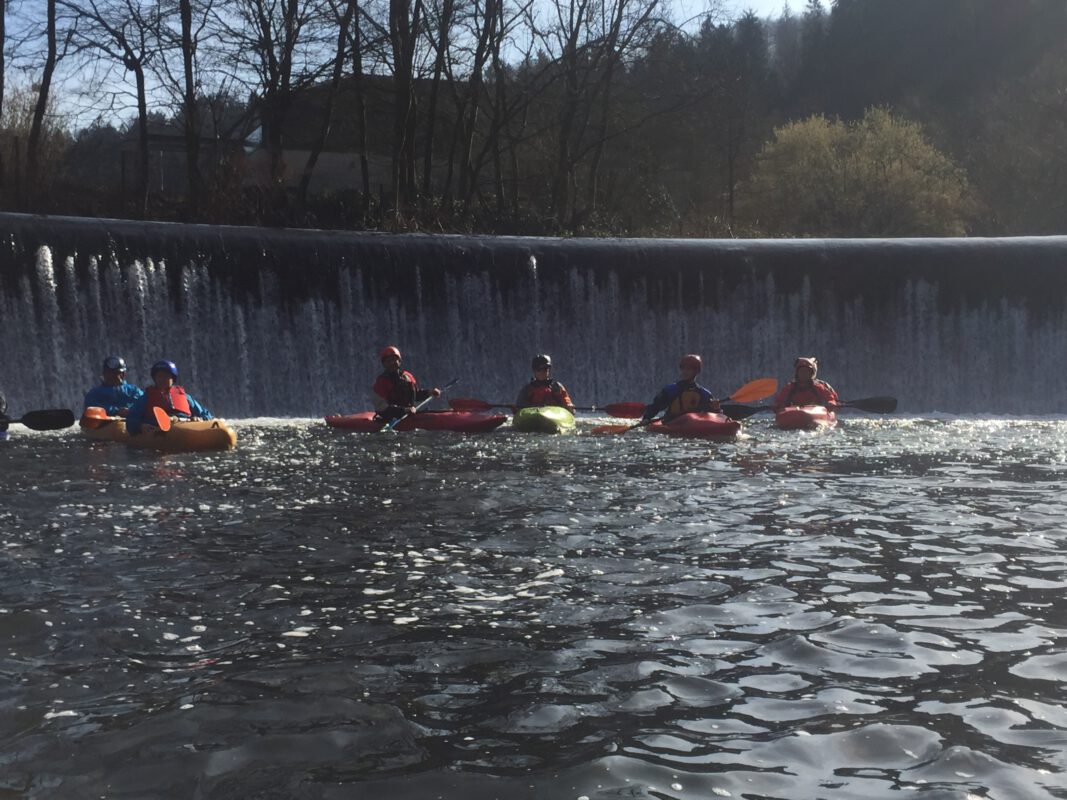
x=685, y=396
x=166, y=394
x=805, y=389
x=396, y=392
x=114, y=394
x=544, y=390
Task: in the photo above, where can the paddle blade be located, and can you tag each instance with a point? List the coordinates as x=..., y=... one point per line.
x=735, y=411
x=162, y=419
x=876, y=405
x=755, y=390
x=469, y=404
x=52, y=419
x=630, y=410
x=95, y=417
x=609, y=429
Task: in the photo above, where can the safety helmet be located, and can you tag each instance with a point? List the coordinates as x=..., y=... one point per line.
x=807, y=361
x=116, y=363
x=692, y=360
x=541, y=361
x=389, y=351
x=164, y=366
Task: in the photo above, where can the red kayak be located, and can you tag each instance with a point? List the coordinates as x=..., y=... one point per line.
x=699, y=426
x=805, y=418
x=460, y=421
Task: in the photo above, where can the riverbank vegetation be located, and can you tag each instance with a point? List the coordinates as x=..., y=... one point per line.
x=560, y=117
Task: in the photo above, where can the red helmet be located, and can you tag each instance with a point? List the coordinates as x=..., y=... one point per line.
x=389, y=351
x=692, y=360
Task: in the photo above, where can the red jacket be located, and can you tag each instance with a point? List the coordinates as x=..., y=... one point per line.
x=399, y=389
x=816, y=393
x=544, y=393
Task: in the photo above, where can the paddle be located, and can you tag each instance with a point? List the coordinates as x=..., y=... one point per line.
x=162, y=419
x=52, y=419
x=875, y=405
x=628, y=410
x=751, y=391
x=400, y=419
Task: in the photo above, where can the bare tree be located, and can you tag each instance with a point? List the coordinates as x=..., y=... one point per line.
x=33, y=145
x=344, y=34
x=127, y=34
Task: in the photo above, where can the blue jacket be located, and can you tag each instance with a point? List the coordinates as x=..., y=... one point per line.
x=698, y=398
x=112, y=398
x=135, y=416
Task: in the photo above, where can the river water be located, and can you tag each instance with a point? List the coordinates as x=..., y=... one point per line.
x=858, y=613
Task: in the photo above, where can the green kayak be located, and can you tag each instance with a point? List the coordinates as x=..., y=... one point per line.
x=544, y=419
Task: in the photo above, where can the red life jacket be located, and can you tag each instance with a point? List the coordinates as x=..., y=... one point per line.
x=816, y=393
x=397, y=388
x=546, y=393
x=173, y=400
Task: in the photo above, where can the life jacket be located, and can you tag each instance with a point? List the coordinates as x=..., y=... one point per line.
x=173, y=400
x=546, y=393
x=397, y=388
x=690, y=398
x=815, y=393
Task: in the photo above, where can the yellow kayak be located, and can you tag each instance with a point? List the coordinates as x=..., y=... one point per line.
x=183, y=436
x=186, y=437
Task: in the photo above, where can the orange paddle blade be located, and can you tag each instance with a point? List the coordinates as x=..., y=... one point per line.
x=94, y=417
x=162, y=419
x=755, y=390
x=602, y=429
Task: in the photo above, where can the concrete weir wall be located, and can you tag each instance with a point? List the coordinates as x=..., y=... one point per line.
x=278, y=323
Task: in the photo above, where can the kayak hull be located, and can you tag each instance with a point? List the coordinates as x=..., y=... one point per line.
x=699, y=426
x=805, y=418
x=186, y=437
x=458, y=421
x=543, y=419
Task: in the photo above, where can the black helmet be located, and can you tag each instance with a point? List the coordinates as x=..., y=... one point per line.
x=541, y=361
x=116, y=363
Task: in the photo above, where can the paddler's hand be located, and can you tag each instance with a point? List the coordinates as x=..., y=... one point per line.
x=435, y=392
x=410, y=410
x=715, y=406
x=121, y=412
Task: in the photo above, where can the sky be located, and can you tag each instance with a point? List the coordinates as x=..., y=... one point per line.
x=765, y=8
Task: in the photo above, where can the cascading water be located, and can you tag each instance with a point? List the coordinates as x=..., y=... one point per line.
x=290, y=323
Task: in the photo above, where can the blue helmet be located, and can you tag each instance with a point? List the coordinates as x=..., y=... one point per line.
x=164, y=366
x=116, y=363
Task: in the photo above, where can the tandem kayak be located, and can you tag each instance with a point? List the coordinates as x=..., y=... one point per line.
x=459, y=421
x=699, y=426
x=805, y=418
x=192, y=436
x=543, y=419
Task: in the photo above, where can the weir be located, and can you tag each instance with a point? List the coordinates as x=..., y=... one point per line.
x=278, y=323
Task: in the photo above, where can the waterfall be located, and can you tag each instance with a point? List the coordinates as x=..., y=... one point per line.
x=285, y=323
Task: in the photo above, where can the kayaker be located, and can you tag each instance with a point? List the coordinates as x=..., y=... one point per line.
x=114, y=395
x=805, y=389
x=396, y=392
x=166, y=394
x=544, y=390
x=685, y=396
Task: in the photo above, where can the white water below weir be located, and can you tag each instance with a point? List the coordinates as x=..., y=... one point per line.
x=278, y=323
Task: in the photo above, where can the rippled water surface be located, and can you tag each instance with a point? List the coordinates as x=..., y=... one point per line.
x=853, y=614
